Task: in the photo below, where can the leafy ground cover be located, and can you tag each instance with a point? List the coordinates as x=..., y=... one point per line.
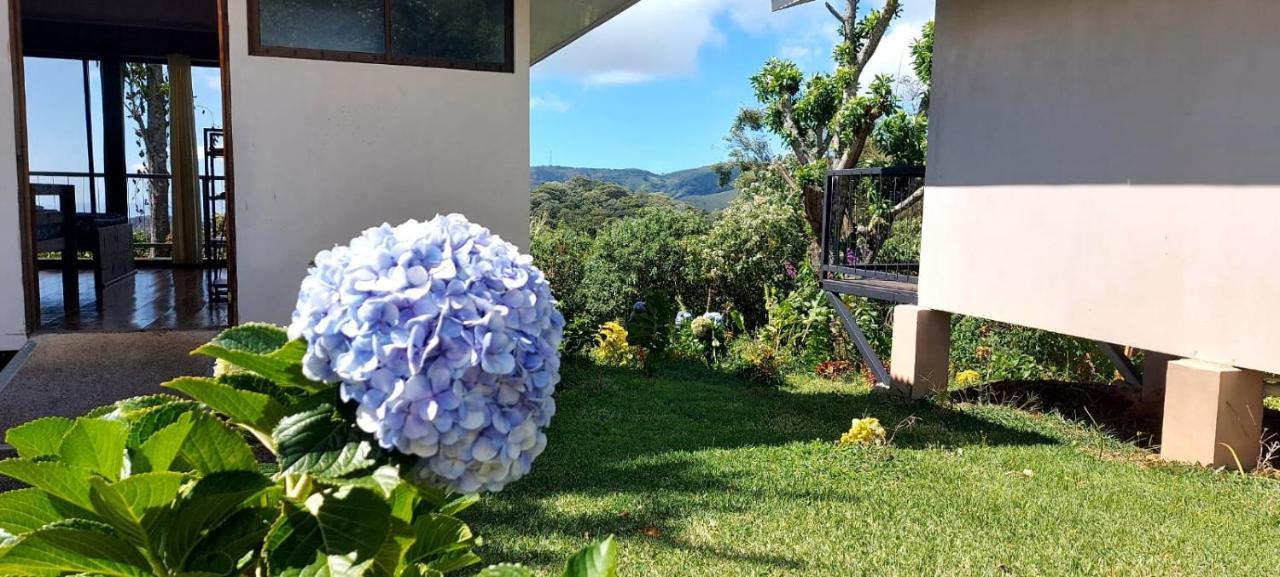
x=700, y=474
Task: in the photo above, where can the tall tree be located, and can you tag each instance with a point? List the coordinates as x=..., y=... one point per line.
x=827, y=120
x=147, y=103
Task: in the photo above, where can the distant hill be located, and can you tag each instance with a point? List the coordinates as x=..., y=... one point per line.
x=699, y=187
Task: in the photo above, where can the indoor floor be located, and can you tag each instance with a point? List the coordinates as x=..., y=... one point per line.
x=153, y=299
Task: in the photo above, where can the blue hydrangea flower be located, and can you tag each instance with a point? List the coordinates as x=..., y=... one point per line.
x=715, y=317
x=639, y=306
x=683, y=317
x=446, y=338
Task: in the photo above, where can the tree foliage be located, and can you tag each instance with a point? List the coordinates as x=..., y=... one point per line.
x=588, y=205
x=831, y=120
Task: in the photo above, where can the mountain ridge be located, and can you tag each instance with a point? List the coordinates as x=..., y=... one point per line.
x=699, y=186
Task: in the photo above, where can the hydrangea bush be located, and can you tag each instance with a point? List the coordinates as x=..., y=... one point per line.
x=446, y=338
x=424, y=364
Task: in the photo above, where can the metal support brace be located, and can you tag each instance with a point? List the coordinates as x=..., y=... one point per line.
x=860, y=339
x=1127, y=371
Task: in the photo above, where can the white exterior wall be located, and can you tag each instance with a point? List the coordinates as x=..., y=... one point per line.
x=1110, y=169
x=324, y=150
x=13, y=330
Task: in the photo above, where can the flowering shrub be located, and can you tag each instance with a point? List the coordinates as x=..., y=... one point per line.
x=968, y=377
x=445, y=337
x=757, y=362
x=709, y=334
x=612, y=348
x=649, y=329
x=166, y=485
x=867, y=431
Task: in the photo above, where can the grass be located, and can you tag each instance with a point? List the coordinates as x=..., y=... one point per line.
x=699, y=474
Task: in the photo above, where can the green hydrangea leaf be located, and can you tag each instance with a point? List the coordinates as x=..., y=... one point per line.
x=161, y=449
x=74, y=547
x=151, y=420
x=205, y=508
x=38, y=438
x=148, y=493
x=25, y=510
x=253, y=410
x=96, y=445
x=320, y=442
x=439, y=539
x=336, y=532
x=265, y=350
x=55, y=478
x=211, y=446
x=599, y=560
x=112, y=507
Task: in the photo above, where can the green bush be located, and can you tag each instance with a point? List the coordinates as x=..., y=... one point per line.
x=651, y=251
x=750, y=247
x=999, y=351
x=561, y=254
x=165, y=485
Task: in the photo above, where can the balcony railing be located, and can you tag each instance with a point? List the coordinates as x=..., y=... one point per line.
x=872, y=223
x=90, y=197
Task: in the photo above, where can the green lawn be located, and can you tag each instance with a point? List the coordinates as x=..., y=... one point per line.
x=699, y=474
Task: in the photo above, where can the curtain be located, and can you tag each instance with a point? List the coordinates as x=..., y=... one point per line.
x=184, y=162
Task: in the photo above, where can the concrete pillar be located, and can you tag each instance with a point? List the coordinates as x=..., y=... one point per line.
x=1154, y=367
x=1208, y=408
x=921, y=356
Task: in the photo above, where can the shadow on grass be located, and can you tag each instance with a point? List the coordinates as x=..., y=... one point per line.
x=634, y=445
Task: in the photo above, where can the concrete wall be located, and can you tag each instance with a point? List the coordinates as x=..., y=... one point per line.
x=324, y=150
x=13, y=330
x=1109, y=169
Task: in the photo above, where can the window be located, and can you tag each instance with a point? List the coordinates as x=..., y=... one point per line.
x=469, y=34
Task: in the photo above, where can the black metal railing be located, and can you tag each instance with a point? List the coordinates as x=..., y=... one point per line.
x=872, y=222
x=90, y=197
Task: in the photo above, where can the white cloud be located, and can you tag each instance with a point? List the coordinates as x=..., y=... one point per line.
x=663, y=38
x=548, y=102
x=654, y=38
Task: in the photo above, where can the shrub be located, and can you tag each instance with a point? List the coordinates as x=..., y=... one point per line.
x=164, y=485
x=800, y=325
x=612, y=348
x=651, y=251
x=997, y=351
x=749, y=248
x=649, y=328
x=756, y=362
x=561, y=253
x=708, y=333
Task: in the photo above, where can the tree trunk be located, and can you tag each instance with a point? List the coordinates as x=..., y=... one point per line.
x=148, y=106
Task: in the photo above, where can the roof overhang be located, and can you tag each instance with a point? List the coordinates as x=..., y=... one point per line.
x=556, y=23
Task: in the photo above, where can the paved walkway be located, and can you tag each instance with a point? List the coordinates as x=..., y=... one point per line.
x=68, y=374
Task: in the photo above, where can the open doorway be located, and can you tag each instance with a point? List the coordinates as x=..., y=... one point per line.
x=127, y=193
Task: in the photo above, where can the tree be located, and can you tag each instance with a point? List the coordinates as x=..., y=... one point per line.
x=147, y=103
x=827, y=121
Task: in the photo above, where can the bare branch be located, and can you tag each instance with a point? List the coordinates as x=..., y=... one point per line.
x=897, y=209
x=888, y=13
x=836, y=13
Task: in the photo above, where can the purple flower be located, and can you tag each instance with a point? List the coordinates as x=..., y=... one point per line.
x=790, y=270
x=850, y=257
x=445, y=338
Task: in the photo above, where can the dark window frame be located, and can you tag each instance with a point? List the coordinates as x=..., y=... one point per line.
x=257, y=48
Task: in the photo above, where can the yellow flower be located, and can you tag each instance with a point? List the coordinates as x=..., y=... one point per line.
x=969, y=377
x=864, y=432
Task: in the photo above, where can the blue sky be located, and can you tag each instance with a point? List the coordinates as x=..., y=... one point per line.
x=657, y=87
